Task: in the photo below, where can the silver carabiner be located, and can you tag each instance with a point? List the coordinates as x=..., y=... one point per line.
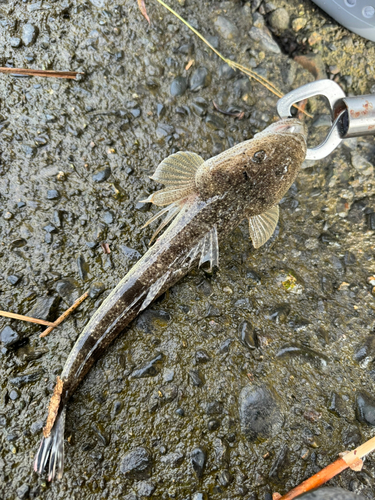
x=351, y=116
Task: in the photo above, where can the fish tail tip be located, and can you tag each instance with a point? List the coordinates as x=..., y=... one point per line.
x=51, y=451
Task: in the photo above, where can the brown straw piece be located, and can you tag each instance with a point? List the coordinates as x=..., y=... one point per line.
x=40, y=72
x=26, y=318
x=64, y=315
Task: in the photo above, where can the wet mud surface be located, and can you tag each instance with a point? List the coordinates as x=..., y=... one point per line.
x=234, y=385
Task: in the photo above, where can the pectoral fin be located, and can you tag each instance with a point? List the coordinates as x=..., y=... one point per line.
x=207, y=250
x=177, y=173
x=262, y=226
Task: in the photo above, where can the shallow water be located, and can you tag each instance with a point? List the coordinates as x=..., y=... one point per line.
x=75, y=160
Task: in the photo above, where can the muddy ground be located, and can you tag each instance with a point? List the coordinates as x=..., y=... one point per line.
x=286, y=332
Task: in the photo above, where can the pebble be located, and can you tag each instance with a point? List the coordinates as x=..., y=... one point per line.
x=330, y=494
x=150, y=368
x=13, y=279
x=225, y=478
x=23, y=491
x=260, y=415
x=279, y=19
x=45, y=308
x=108, y=217
x=201, y=356
x=199, y=79
x=178, y=86
x=29, y=34
x=241, y=87
x=14, y=394
x=130, y=252
x=96, y=289
x=371, y=221
x=196, y=378
x=53, y=194
x=338, y=406
x=68, y=290
x=265, y=39
x=215, y=122
x=305, y=354
x=365, y=352
x=198, y=460
x=173, y=459
x=222, y=451
x=226, y=28
x=9, y=336
x=299, y=23
x=26, y=379
x=247, y=335
x=213, y=424
x=137, y=464
x=280, y=313
x=361, y=164
x=102, y=175
x=214, y=408
x=145, y=489
x=36, y=427
x=225, y=346
x=168, y=375
x=83, y=268
x=15, y=42
x=226, y=72
x=365, y=408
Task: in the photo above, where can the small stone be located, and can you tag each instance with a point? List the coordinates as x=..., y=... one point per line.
x=83, y=268
x=202, y=356
x=242, y=87
x=26, y=379
x=14, y=395
x=199, y=79
x=168, y=375
x=150, y=368
x=15, y=42
x=180, y=412
x=304, y=354
x=53, y=194
x=225, y=478
x=96, y=289
x=365, y=408
x=247, y=335
x=29, y=34
x=224, y=347
x=198, y=459
x=130, y=253
x=195, y=378
x=226, y=72
x=68, y=290
x=108, y=217
x=279, y=19
x=8, y=216
x=13, y=279
x=299, y=23
x=36, y=427
x=260, y=415
x=102, y=175
x=9, y=336
x=50, y=228
x=215, y=122
x=137, y=464
x=145, y=489
x=149, y=320
x=226, y=28
x=45, y=308
x=213, y=424
x=173, y=459
x=160, y=110
x=23, y=491
x=265, y=39
x=178, y=86
x=363, y=166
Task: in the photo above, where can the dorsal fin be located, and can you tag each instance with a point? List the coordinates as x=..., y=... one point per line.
x=177, y=173
x=262, y=226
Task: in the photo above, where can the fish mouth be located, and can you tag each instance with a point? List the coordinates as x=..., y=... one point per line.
x=289, y=126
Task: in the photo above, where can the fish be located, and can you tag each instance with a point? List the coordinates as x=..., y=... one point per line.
x=203, y=202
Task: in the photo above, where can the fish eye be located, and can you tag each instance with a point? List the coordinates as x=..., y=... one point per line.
x=259, y=156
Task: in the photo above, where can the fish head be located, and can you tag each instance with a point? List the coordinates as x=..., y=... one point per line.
x=258, y=172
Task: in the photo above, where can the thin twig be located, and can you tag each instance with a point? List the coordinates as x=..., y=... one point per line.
x=251, y=74
x=351, y=459
x=40, y=72
x=65, y=315
x=26, y=318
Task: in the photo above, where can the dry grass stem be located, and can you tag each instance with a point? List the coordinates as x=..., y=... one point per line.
x=65, y=315
x=26, y=318
x=40, y=72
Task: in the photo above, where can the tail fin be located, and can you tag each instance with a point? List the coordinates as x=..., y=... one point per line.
x=52, y=450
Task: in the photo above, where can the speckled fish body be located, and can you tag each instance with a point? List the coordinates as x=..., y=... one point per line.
x=205, y=200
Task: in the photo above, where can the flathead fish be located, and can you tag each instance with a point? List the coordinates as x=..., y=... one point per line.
x=204, y=201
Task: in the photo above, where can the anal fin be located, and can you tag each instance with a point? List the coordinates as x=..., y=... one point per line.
x=263, y=226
